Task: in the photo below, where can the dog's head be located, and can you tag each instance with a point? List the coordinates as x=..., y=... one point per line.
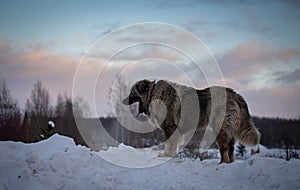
x=140, y=93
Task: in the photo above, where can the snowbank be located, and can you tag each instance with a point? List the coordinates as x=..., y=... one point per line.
x=57, y=163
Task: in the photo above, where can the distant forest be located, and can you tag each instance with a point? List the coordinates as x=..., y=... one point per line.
x=32, y=124
x=276, y=132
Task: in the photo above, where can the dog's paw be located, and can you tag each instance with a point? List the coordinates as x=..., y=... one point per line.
x=162, y=154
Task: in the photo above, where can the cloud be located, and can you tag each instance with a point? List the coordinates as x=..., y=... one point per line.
x=254, y=23
x=278, y=101
x=291, y=77
x=226, y=2
x=36, y=63
x=22, y=69
x=278, y=96
x=252, y=57
x=168, y=4
x=141, y=51
x=105, y=27
x=293, y=3
x=146, y=41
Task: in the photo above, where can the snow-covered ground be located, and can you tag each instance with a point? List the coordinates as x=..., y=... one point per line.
x=57, y=163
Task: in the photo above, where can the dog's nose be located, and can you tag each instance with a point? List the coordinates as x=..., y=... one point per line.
x=126, y=101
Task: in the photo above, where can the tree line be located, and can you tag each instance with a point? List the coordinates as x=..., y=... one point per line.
x=278, y=132
x=32, y=123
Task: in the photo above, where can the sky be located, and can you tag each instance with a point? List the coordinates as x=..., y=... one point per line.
x=70, y=44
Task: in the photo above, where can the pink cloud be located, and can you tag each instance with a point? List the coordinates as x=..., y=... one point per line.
x=36, y=63
x=21, y=69
x=257, y=52
x=251, y=57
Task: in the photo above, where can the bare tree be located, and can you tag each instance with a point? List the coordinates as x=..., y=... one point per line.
x=80, y=107
x=66, y=108
x=9, y=111
x=60, y=106
x=116, y=94
x=39, y=103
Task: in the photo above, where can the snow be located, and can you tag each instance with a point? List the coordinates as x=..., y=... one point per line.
x=57, y=163
x=130, y=157
x=51, y=124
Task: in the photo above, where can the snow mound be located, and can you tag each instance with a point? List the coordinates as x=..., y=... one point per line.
x=127, y=156
x=57, y=163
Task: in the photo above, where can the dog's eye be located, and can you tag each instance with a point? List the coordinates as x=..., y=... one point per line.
x=142, y=88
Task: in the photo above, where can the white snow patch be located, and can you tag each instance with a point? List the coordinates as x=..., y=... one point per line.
x=57, y=163
x=51, y=124
x=127, y=156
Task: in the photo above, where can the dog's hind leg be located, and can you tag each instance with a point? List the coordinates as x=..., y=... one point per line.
x=223, y=144
x=231, y=149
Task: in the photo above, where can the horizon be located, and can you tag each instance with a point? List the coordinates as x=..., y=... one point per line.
x=255, y=44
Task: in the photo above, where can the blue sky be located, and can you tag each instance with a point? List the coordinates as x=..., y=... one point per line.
x=256, y=43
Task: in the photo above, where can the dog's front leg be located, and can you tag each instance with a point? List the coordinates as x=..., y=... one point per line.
x=171, y=145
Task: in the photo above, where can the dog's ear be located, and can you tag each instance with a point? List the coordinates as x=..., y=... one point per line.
x=143, y=87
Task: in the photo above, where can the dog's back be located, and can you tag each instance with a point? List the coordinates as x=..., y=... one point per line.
x=237, y=121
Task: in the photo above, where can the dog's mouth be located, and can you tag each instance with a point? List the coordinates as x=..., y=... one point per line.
x=140, y=109
x=135, y=99
x=136, y=109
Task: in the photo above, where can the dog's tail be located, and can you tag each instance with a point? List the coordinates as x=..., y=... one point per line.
x=247, y=132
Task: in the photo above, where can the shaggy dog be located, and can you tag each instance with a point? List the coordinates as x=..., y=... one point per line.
x=175, y=109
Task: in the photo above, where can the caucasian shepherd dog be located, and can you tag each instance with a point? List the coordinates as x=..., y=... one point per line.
x=172, y=107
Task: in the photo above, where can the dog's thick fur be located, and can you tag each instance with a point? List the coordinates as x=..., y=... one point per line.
x=237, y=123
